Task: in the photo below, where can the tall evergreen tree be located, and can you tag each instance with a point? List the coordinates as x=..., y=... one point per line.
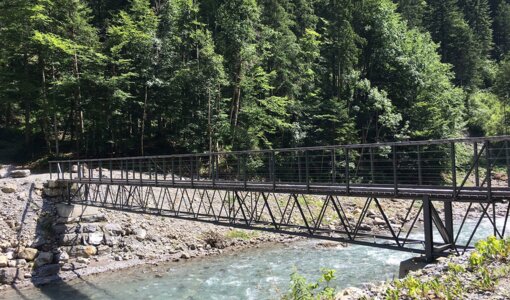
x=134, y=49
x=458, y=44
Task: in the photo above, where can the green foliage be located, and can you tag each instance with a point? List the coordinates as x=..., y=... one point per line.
x=120, y=77
x=479, y=274
x=302, y=290
x=241, y=234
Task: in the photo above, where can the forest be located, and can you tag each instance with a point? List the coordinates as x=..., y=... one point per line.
x=92, y=78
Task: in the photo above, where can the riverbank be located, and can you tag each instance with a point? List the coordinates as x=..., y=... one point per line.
x=483, y=273
x=42, y=241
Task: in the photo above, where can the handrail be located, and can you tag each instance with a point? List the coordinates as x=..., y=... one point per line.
x=333, y=147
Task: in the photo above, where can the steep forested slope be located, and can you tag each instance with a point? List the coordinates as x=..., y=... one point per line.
x=118, y=77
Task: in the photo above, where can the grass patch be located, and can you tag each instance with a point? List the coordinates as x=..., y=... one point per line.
x=241, y=234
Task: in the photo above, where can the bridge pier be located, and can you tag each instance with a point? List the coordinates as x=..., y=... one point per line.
x=428, y=229
x=448, y=222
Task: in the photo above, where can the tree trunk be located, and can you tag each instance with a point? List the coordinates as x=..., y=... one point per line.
x=144, y=117
x=28, y=110
x=78, y=105
x=55, y=127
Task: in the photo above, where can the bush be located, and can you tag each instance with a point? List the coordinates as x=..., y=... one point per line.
x=215, y=239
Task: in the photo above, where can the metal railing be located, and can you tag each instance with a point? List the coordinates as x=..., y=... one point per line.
x=456, y=165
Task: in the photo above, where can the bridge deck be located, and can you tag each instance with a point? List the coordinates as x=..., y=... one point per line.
x=466, y=194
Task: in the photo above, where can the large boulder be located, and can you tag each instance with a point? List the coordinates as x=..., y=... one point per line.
x=70, y=239
x=141, y=234
x=5, y=171
x=43, y=258
x=20, y=173
x=3, y=261
x=48, y=270
x=63, y=257
x=9, y=188
x=28, y=254
x=113, y=228
x=110, y=240
x=9, y=275
x=17, y=263
x=95, y=238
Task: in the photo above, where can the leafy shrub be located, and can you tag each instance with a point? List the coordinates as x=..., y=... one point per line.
x=300, y=289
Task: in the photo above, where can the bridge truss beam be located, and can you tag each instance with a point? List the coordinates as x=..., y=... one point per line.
x=424, y=226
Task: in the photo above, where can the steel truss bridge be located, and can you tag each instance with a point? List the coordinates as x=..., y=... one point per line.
x=422, y=193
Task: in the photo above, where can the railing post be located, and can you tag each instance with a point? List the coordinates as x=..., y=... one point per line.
x=454, y=170
x=149, y=168
x=475, y=160
x=489, y=171
x=347, y=173
x=191, y=170
x=273, y=170
x=111, y=171
x=197, y=165
x=395, y=179
x=156, y=172
x=307, y=171
x=100, y=171
x=213, y=175
x=245, y=169
x=79, y=170
x=51, y=174
x=70, y=171
x=164, y=169
x=173, y=170
x=372, y=175
x=507, y=158
x=420, y=175
x=333, y=166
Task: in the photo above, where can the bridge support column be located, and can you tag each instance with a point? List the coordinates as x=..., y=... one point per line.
x=428, y=229
x=448, y=221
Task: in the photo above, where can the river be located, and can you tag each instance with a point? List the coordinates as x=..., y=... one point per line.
x=256, y=273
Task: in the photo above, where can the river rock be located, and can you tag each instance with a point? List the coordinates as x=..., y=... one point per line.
x=9, y=188
x=350, y=294
x=185, y=255
x=28, y=253
x=379, y=221
x=365, y=227
x=66, y=228
x=5, y=171
x=48, y=270
x=88, y=228
x=43, y=258
x=51, y=184
x=63, y=257
x=90, y=250
x=20, y=173
x=9, y=275
x=95, y=238
x=141, y=234
x=3, y=261
x=113, y=228
x=110, y=239
x=17, y=263
x=52, y=193
x=70, y=239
